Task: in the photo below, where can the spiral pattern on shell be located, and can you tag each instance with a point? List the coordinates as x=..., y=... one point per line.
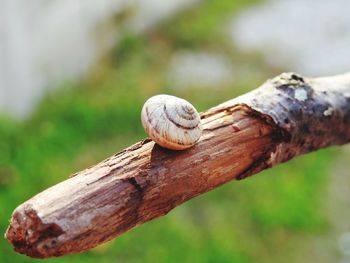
x=171, y=122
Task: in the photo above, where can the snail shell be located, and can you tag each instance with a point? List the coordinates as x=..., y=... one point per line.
x=171, y=122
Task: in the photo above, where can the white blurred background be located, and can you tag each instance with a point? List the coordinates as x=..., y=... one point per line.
x=43, y=43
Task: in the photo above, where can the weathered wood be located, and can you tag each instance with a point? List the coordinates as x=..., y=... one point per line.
x=287, y=116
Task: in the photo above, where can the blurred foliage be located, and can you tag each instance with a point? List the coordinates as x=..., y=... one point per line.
x=260, y=219
x=203, y=25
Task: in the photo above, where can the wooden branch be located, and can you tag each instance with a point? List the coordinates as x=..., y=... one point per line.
x=287, y=116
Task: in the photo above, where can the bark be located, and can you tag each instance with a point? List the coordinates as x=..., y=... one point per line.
x=287, y=116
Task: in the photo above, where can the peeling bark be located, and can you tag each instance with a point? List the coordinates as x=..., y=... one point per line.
x=287, y=116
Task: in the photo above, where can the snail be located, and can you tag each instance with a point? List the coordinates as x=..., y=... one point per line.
x=171, y=122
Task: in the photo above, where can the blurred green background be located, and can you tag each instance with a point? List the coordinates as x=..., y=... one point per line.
x=280, y=215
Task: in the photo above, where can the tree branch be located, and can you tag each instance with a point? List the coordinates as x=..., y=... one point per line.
x=287, y=116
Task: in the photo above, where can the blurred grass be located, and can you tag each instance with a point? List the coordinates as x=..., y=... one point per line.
x=260, y=219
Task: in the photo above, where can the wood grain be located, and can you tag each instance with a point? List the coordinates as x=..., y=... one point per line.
x=287, y=116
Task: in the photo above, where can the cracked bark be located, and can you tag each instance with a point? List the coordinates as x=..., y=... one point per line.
x=287, y=116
